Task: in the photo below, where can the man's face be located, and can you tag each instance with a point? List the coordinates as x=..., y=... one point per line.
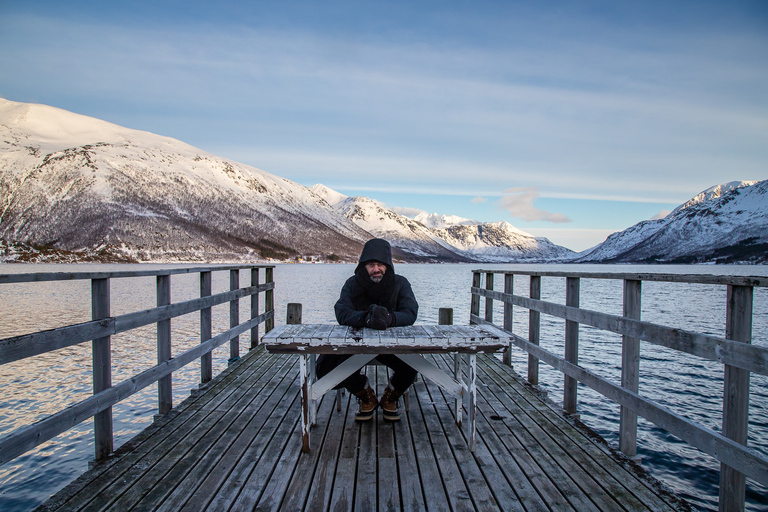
x=375, y=270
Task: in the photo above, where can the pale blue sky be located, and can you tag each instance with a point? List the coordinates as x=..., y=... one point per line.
x=567, y=119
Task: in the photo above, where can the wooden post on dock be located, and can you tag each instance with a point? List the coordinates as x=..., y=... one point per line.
x=534, y=331
x=570, y=388
x=445, y=316
x=509, y=289
x=738, y=327
x=234, y=316
x=488, y=300
x=474, y=308
x=206, y=329
x=269, y=301
x=254, y=308
x=630, y=368
x=165, y=384
x=293, y=314
x=102, y=368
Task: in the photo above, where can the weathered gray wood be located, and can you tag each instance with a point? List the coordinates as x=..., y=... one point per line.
x=19, y=347
x=611, y=474
x=570, y=397
x=234, y=315
x=755, y=281
x=738, y=327
x=534, y=330
x=474, y=307
x=293, y=314
x=509, y=287
x=234, y=446
x=164, y=351
x=630, y=368
x=254, y=308
x=25, y=438
x=489, y=300
x=445, y=316
x=37, y=277
x=269, y=299
x=734, y=454
x=206, y=329
x=102, y=368
x=741, y=355
x=314, y=338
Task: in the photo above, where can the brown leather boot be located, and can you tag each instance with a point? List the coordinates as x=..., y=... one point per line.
x=367, y=404
x=389, y=404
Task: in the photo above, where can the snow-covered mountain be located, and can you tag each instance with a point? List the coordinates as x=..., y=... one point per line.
x=77, y=188
x=434, y=220
x=403, y=233
x=501, y=242
x=449, y=236
x=78, y=185
x=725, y=223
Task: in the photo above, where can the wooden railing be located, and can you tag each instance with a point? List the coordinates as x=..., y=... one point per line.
x=734, y=351
x=103, y=326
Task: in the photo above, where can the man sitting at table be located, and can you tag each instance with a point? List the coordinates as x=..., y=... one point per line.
x=378, y=298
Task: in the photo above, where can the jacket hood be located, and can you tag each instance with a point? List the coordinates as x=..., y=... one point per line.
x=377, y=249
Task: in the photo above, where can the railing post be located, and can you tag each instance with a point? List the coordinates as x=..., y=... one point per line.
x=234, y=316
x=630, y=368
x=206, y=330
x=474, y=307
x=570, y=386
x=102, y=368
x=165, y=384
x=488, y=300
x=254, y=308
x=269, y=301
x=509, y=280
x=534, y=331
x=738, y=327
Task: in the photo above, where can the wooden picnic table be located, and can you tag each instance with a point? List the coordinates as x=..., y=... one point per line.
x=407, y=343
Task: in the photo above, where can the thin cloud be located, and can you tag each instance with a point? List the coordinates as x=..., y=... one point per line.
x=519, y=203
x=661, y=215
x=479, y=199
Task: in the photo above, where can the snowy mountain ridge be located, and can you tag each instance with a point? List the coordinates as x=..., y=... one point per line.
x=724, y=224
x=91, y=190
x=448, y=235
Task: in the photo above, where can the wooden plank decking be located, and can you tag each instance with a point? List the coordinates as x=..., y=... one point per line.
x=236, y=445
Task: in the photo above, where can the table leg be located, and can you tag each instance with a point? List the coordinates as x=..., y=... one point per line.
x=472, y=400
x=312, y=402
x=457, y=375
x=305, y=399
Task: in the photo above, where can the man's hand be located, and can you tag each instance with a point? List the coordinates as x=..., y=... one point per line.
x=379, y=317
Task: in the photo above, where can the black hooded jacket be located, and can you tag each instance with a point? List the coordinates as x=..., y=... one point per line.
x=360, y=292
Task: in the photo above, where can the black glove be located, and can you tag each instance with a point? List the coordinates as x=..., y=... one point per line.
x=379, y=317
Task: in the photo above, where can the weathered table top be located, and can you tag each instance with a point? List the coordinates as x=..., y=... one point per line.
x=340, y=339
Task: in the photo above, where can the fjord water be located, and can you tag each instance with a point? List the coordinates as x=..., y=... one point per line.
x=689, y=386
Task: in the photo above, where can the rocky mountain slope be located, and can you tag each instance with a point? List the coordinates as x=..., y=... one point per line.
x=74, y=188
x=75, y=184
x=723, y=224
x=450, y=237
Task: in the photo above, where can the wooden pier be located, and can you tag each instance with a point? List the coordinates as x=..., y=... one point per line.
x=236, y=445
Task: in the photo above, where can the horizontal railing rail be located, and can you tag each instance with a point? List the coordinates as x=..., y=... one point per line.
x=734, y=351
x=103, y=326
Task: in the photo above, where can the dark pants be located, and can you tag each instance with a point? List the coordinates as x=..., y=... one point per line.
x=402, y=374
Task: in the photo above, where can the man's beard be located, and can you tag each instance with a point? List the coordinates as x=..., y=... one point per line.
x=377, y=278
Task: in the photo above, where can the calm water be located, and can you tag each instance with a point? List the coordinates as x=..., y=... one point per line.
x=693, y=388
